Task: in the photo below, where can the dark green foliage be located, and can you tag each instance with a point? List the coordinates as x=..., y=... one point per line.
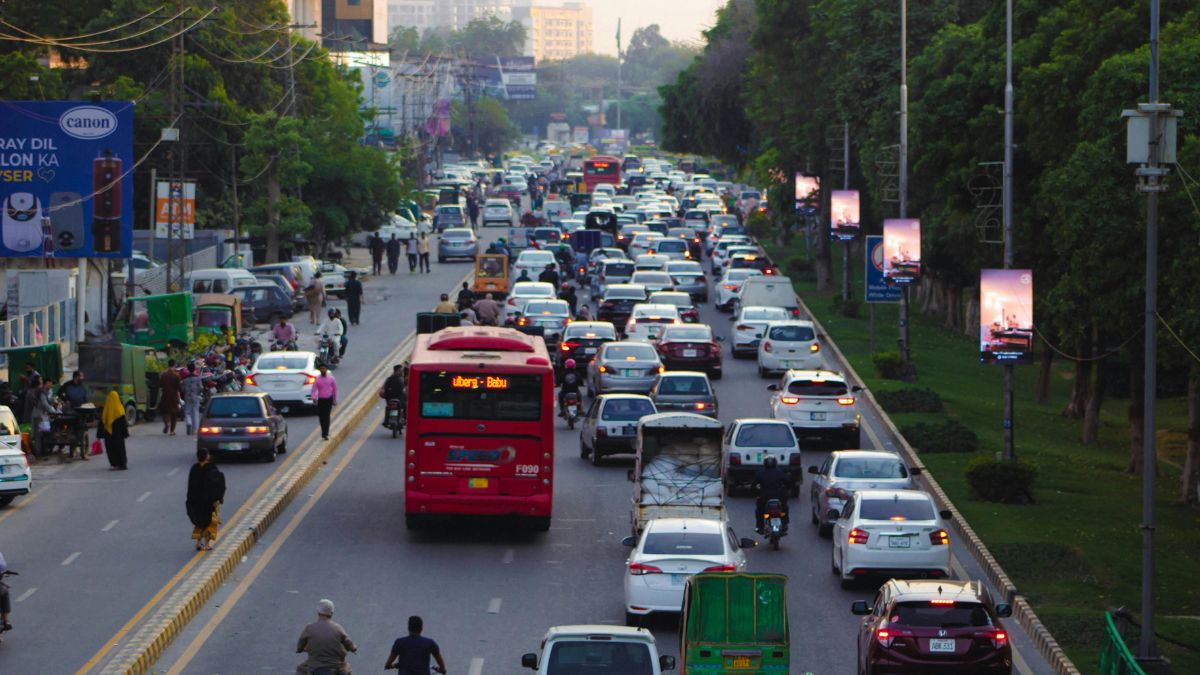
x=991, y=480
x=948, y=436
x=910, y=400
x=889, y=365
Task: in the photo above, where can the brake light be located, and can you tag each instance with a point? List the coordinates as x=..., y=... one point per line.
x=790, y=400
x=310, y=378
x=814, y=347
x=522, y=321
x=735, y=459
x=941, y=602
x=256, y=430
x=728, y=567
x=250, y=380
x=731, y=287
x=206, y=431
x=999, y=638
x=632, y=322
x=512, y=301
x=939, y=538
x=568, y=346
x=767, y=347
x=845, y=400
x=884, y=636
x=858, y=536
x=601, y=432
x=603, y=369
x=795, y=311
x=639, y=569
x=794, y=459
x=662, y=369
x=701, y=405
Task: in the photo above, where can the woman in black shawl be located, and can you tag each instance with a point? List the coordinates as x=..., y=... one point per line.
x=206, y=492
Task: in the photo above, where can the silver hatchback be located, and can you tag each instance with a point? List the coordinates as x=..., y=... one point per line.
x=846, y=471
x=624, y=366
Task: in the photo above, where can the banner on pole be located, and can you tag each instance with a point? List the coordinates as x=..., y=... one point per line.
x=844, y=215
x=901, y=250
x=175, y=206
x=877, y=288
x=1005, y=316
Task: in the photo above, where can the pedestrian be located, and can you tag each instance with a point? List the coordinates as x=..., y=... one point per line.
x=423, y=252
x=410, y=655
x=325, y=391
x=473, y=212
x=393, y=253
x=192, y=387
x=168, y=397
x=42, y=410
x=487, y=309
x=377, y=247
x=73, y=392
x=205, y=494
x=467, y=318
x=326, y=642
x=314, y=293
x=353, y=295
x=114, y=429
x=410, y=248
x=30, y=394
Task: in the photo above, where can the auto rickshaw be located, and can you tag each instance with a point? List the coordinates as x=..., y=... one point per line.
x=491, y=275
x=214, y=310
x=109, y=366
x=155, y=321
x=734, y=623
x=46, y=360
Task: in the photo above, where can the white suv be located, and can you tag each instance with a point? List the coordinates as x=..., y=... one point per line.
x=598, y=648
x=818, y=403
x=786, y=345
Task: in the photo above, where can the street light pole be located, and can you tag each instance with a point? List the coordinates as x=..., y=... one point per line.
x=619, y=73
x=1010, y=450
x=904, y=351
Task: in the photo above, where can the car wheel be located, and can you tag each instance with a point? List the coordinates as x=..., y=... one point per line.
x=762, y=372
x=269, y=454
x=5, y=500
x=597, y=457
x=583, y=449
x=812, y=513
x=131, y=413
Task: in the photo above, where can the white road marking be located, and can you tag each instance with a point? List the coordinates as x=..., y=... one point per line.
x=25, y=596
x=576, y=520
x=111, y=524
x=71, y=558
x=563, y=545
x=494, y=606
x=174, y=471
x=476, y=667
x=143, y=497
x=509, y=555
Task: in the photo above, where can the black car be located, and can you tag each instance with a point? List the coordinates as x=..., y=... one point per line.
x=267, y=301
x=618, y=301
x=582, y=339
x=244, y=424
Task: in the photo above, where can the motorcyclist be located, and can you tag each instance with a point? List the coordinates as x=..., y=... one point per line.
x=549, y=275
x=394, y=387
x=332, y=328
x=344, y=340
x=566, y=259
x=284, y=334
x=772, y=483
x=326, y=643
x=570, y=384
x=567, y=292
x=584, y=313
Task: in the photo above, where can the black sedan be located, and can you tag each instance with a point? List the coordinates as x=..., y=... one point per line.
x=582, y=339
x=244, y=424
x=267, y=301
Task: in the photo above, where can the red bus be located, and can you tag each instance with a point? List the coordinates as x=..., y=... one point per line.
x=480, y=434
x=601, y=169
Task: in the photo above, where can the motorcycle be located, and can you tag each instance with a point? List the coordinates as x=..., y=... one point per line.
x=281, y=346
x=774, y=522
x=327, y=351
x=393, y=419
x=4, y=588
x=570, y=411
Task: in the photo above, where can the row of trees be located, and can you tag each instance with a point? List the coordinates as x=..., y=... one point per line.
x=777, y=76
x=271, y=127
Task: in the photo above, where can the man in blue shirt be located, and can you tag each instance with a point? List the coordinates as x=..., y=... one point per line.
x=410, y=655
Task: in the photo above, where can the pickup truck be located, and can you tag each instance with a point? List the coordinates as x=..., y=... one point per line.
x=598, y=650
x=678, y=472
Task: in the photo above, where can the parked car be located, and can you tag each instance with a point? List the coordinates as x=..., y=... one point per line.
x=890, y=533
x=268, y=302
x=288, y=378
x=690, y=347
x=751, y=440
x=457, y=242
x=610, y=425
x=818, y=403
x=243, y=424
x=845, y=471
x=16, y=477
x=749, y=326
x=498, y=212
x=684, y=391
x=298, y=301
x=788, y=345
x=618, y=300
x=623, y=366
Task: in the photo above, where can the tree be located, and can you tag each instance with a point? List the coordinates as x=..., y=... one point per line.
x=489, y=36
x=405, y=40
x=273, y=148
x=483, y=128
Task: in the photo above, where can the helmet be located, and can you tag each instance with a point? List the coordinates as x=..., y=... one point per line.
x=770, y=463
x=570, y=363
x=565, y=286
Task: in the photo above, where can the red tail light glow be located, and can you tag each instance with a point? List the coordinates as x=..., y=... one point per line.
x=884, y=636
x=721, y=568
x=858, y=536
x=735, y=459
x=310, y=378
x=845, y=400
x=790, y=400
x=256, y=430
x=250, y=381
x=939, y=538
x=640, y=569
x=814, y=347
x=766, y=347
x=742, y=326
x=207, y=431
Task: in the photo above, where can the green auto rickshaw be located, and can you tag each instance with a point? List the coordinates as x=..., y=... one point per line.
x=155, y=321
x=214, y=310
x=734, y=624
x=109, y=366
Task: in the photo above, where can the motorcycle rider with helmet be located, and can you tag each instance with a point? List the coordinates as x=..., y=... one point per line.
x=570, y=384
x=772, y=483
x=332, y=329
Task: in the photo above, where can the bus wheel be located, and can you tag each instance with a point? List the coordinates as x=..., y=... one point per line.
x=412, y=522
x=541, y=524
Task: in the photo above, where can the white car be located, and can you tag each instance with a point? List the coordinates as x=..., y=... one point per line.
x=640, y=244
x=723, y=243
x=846, y=471
x=672, y=247
x=651, y=261
x=748, y=327
x=668, y=552
x=890, y=533
x=15, y=475
x=498, y=212
x=789, y=345
x=598, y=649
x=731, y=251
x=556, y=210
x=751, y=440
x=534, y=262
x=818, y=403
x=523, y=292
x=287, y=377
x=610, y=425
x=653, y=281
x=729, y=285
x=552, y=315
x=605, y=188
x=647, y=321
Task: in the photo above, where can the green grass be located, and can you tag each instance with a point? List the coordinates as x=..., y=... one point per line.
x=1077, y=551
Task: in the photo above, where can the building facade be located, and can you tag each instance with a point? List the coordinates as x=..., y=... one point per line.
x=556, y=33
x=451, y=14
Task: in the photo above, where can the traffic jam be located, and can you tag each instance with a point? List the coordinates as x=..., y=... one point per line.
x=657, y=285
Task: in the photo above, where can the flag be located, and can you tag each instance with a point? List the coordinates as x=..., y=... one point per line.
x=618, y=36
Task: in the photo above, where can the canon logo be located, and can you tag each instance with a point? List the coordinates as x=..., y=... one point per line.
x=88, y=122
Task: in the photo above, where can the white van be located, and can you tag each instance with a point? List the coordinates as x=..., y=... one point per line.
x=770, y=291
x=218, y=280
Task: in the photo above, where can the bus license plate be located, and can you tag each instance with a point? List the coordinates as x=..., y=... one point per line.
x=480, y=483
x=945, y=645
x=899, y=542
x=817, y=416
x=740, y=662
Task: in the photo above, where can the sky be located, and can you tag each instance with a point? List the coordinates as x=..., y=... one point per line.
x=677, y=19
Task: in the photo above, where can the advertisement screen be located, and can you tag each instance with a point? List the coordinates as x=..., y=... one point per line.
x=845, y=221
x=901, y=250
x=1005, y=316
x=66, y=179
x=808, y=191
x=877, y=289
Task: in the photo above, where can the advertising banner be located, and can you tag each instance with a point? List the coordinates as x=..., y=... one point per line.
x=808, y=191
x=1005, y=316
x=845, y=221
x=175, y=205
x=66, y=179
x=901, y=250
x=519, y=77
x=877, y=288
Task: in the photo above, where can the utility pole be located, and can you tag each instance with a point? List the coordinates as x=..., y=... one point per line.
x=619, y=59
x=904, y=350
x=174, y=202
x=846, y=186
x=1010, y=450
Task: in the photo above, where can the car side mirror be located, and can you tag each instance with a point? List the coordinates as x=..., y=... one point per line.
x=747, y=542
x=860, y=608
x=629, y=475
x=666, y=662
x=629, y=541
x=529, y=661
x=832, y=514
x=1003, y=610
x=813, y=469
x=945, y=514
x=915, y=471
x=856, y=388
x=772, y=387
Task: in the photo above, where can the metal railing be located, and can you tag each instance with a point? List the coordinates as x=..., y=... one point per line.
x=1115, y=657
x=155, y=280
x=44, y=325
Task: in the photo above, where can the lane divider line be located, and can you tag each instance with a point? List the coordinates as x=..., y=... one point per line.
x=25, y=596
x=144, y=496
x=509, y=555
x=71, y=558
x=494, y=606
x=172, y=472
x=476, y=667
x=111, y=524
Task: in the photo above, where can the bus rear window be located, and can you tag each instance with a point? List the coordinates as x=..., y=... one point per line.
x=479, y=396
x=600, y=168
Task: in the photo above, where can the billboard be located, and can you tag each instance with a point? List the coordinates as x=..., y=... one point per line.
x=1005, y=316
x=175, y=206
x=66, y=179
x=808, y=191
x=511, y=77
x=877, y=289
x=844, y=216
x=901, y=250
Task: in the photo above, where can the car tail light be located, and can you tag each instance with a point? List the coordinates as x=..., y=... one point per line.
x=742, y=326
x=250, y=381
x=735, y=459
x=640, y=569
x=998, y=638
x=609, y=304
x=603, y=369
x=845, y=400
x=731, y=287
x=858, y=536
x=728, y=567
x=939, y=538
x=790, y=400
x=256, y=430
x=767, y=347
x=701, y=405
x=769, y=270
x=796, y=311
x=601, y=432
x=794, y=459
x=662, y=369
x=310, y=378
x=206, y=431
x=884, y=636
x=632, y=322
x=836, y=493
x=522, y=321
x=814, y=347
x=512, y=301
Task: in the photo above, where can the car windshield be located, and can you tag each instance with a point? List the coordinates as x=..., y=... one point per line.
x=817, y=387
x=547, y=307
x=687, y=333
x=677, y=386
x=859, y=467
x=630, y=351
x=627, y=409
x=896, y=509
x=599, y=658
x=625, y=294
x=620, y=269
x=593, y=332
x=791, y=333
x=235, y=406
x=929, y=615
x=683, y=543
x=281, y=362
x=766, y=436
x=763, y=314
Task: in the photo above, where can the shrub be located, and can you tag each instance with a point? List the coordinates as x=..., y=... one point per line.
x=850, y=308
x=761, y=225
x=992, y=480
x=949, y=436
x=910, y=400
x=888, y=365
x=799, y=267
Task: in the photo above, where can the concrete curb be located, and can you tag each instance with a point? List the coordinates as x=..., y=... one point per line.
x=1038, y=633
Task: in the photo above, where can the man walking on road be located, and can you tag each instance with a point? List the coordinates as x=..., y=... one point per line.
x=473, y=211
x=353, y=294
x=423, y=252
x=326, y=643
x=192, y=387
x=168, y=397
x=325, y=391
x=205, y=494
x=393, y=253
x=410, y=655
x=376, y=247
x=411, y=250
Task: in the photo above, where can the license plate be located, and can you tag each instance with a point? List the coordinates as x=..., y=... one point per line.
x=629, y=431
x=232, y=446
x=899, y=542
x=689, y=353
x=572, y=410
x=630, y=372
x=817, y=416
x=589, y=350
x=477, y=483
x=678, y=579
x=739, y=662
x=941, y=645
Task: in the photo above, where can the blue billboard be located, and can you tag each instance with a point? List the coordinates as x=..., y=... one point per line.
x=877, y=288
x=66, y=179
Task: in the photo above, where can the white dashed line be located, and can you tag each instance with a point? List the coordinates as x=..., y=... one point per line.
x=494, y=606
x=71, y=558
x=476, y=667
x=143, y=497
x=25, y=596
x=509, y=555
x=111, y=524
x=174, y=471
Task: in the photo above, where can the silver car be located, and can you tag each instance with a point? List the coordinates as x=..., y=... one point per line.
x=610, y=425
x=845, y=471
x=551, y=315
x=624, y=366
x=689, y=278
x=457, y=242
